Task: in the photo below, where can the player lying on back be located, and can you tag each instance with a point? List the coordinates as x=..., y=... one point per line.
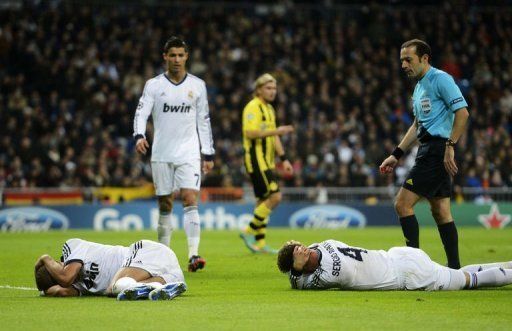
x=145, y=269
x=333, y=264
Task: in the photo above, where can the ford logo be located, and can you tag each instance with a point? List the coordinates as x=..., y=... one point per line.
x=327, y=216
x=32, y=219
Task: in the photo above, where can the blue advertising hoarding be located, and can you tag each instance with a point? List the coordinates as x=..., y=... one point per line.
x=144, y=215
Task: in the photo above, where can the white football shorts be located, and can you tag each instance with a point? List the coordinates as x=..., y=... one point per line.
x=417, y=271
x=155, y=258
x=169, y=177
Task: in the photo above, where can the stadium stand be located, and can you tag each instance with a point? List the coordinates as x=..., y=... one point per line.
x=71, y=75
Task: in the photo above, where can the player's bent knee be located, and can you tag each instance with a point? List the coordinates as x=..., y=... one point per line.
x=189, y=201
x=189, y=198
x=165, y=205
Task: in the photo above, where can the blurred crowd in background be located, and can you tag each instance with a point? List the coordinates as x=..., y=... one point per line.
x=71, y=75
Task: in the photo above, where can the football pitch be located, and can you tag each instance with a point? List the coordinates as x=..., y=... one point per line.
x=241, y=291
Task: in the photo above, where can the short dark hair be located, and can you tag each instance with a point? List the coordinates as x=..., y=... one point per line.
x=285, y=257
x=43, y=279
x=175, y=42
x=422, y=47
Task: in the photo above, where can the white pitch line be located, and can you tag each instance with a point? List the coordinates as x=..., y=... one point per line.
x=22, y=288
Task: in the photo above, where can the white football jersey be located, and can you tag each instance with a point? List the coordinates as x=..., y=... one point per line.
x=345, y=267
x=99, y=263
x=180, y=117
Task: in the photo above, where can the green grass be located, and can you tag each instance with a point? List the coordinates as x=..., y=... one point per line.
x=239, y=290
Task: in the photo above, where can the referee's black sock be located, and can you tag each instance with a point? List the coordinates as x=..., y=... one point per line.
x=411, y=230
x=450, y=239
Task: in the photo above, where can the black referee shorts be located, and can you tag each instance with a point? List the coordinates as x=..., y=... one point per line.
x=428, y=177
x=264, y=183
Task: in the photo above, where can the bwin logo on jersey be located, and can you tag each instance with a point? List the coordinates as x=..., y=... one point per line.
x=177, y=109
x=327, y=216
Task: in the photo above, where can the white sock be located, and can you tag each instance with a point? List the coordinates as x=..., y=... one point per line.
x=155, y=285
x=122, y=284
x=457, y=280
x=164, y=228
x=493, y=277
x=192, y=227
x=479, y=267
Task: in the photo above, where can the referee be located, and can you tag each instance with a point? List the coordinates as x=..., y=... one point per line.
x=261, y=143
x=441, y=114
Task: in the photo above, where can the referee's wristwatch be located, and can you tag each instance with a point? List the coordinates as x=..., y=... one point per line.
x=450, y=142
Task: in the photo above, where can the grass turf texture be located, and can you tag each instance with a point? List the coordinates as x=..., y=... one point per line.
x=239, y=290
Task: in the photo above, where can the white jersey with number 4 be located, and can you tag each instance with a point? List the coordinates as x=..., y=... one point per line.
x=180, y=117
x=346, y=267
x=354, y=268
x=99, y=263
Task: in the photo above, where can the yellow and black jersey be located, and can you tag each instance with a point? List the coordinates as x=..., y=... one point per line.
x=259, y=152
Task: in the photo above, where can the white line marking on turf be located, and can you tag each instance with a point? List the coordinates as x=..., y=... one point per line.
x=22, y=288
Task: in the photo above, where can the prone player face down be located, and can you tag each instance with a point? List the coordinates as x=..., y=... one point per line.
x=55, y=279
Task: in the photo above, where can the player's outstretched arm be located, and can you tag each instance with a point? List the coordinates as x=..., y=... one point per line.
x=391, y=161
x=59, y=291
x=280, y=131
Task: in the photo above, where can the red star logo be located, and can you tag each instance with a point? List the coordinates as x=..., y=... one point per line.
x=494, y=219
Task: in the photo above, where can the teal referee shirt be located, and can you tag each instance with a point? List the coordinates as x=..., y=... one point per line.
x=436, y=99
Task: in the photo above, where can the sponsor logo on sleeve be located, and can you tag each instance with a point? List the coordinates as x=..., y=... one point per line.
x=32, y=219
x=327, y=216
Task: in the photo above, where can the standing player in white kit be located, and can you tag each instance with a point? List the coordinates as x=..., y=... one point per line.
x=178, y=103
x=333, y=264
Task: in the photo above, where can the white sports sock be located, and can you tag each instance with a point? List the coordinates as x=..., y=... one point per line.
x=164, y=228
x=123, y=283
x=192, y=226
x=155, y=285
x=485, y=266
x=493, y=277
x=457, y=280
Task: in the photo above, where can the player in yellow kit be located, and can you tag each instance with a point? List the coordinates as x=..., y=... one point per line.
x=261, y=144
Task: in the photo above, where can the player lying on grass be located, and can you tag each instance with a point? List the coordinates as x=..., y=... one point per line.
x=146, y=269
x=333, y=264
